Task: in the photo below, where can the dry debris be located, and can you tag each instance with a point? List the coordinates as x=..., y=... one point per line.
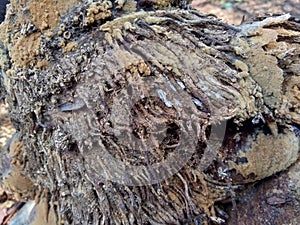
x=66, y=79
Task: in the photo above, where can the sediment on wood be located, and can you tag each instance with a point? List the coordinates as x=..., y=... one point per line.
x=66, y=75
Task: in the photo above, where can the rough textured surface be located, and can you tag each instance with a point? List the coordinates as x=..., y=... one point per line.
x=260, y=154
x=6, y=128
x=94, y=52
x=274, y=201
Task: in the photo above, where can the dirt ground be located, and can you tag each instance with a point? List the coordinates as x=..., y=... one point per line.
x=232, y=12
x=236, y=11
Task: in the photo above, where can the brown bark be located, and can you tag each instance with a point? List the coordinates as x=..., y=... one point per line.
x=91, y=81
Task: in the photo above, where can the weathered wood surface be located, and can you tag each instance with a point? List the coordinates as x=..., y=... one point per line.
x=69, y=68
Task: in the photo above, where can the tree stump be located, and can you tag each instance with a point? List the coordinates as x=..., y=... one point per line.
x=144, y=112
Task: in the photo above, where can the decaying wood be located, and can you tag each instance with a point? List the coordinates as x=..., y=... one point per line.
x=67, y=70
x=273, y=201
